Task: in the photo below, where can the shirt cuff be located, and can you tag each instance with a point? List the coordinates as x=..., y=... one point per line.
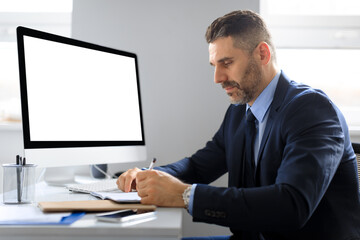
x=191, y=200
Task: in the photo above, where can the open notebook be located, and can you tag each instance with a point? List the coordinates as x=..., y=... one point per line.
x=118, y=196
x=98, y=186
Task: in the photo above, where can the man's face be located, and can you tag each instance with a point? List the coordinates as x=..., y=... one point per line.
x=237, y=72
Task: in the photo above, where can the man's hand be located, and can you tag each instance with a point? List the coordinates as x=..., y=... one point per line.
x=160, y=188
x=126, y=181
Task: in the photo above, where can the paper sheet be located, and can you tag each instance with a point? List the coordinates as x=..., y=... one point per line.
x=27, y=213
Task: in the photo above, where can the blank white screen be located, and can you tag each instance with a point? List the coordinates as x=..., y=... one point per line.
x=79, y=94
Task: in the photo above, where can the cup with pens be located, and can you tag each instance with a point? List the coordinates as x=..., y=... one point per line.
x=19, y=182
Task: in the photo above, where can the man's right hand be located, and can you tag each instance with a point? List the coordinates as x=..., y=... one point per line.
x=126, y=181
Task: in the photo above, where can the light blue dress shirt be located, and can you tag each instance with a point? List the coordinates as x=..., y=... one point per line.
x=260, y=109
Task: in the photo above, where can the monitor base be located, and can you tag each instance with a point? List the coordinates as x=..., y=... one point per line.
x=62, y=176
x=59, y=176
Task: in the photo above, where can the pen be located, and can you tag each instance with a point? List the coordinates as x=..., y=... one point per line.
x=18, y=180
x=152, y=163
x=22, y=171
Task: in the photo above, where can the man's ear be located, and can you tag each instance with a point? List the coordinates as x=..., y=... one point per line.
x=264, y=52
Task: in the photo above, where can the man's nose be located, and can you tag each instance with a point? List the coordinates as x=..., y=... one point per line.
x=219, y=76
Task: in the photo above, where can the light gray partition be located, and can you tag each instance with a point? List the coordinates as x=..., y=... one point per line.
x=182, y=105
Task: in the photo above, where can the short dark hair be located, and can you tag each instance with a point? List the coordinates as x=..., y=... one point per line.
x=246, y=27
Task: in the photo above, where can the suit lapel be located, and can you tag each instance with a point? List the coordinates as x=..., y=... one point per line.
x=280, y=92
x=238, y=151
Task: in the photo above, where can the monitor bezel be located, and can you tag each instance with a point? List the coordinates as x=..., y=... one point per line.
x=28, y=144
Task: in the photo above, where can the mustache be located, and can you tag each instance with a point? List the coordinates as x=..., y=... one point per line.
x=230, y=84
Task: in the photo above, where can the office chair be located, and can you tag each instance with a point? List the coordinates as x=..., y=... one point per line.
x=356, y=147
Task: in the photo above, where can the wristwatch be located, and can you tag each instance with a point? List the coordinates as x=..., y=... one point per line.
x=186, y=197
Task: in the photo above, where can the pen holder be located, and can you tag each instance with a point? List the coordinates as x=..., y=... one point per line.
x=19, y=183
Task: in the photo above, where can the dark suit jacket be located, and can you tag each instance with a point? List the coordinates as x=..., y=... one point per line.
x=305, y=185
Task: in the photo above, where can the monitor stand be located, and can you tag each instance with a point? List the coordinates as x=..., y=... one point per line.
x=62, y=176
x=59, y=176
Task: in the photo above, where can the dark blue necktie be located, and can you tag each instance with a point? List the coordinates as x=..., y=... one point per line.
x=250, y=134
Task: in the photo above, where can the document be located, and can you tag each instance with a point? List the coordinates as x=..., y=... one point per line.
x=31, y=215
x=120, y=197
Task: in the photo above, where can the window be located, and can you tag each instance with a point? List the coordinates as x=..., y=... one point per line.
x=320, y=68
x=318, y=43
x=311, y=8
x=45, y=15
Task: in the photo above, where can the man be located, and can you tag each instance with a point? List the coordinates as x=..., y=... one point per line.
x=296, y=179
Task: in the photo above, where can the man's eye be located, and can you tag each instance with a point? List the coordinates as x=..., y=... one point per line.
x=226, y=64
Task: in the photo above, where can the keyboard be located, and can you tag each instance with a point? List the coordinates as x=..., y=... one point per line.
x=106, y=185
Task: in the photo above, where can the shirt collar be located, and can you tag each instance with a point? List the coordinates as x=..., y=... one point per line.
x=264, y=100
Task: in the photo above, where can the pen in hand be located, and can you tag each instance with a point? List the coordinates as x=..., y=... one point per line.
x=152, y=164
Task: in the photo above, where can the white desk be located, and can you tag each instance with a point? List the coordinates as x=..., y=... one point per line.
x=166, y=226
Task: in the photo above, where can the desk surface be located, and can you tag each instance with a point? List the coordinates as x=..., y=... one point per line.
x=167, y=224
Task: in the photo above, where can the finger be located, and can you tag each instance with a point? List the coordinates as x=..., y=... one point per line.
x=144, y=175
x=141, y=176
x=128, y=182
x=142, y=193
x=142, y=189
x=146, y=200
x=140, y=185
x=120, y=181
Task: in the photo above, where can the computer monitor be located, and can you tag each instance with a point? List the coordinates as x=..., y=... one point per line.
x=80, y=102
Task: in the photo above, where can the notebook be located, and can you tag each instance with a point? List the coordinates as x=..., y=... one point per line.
x=90, y=206
x=120, y=197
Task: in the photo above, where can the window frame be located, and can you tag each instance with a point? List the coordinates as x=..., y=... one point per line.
x=53, y=22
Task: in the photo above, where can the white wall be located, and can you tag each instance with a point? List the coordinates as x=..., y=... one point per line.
x=182, y=106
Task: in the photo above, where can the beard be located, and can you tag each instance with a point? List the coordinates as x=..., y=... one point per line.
x=248, y=86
